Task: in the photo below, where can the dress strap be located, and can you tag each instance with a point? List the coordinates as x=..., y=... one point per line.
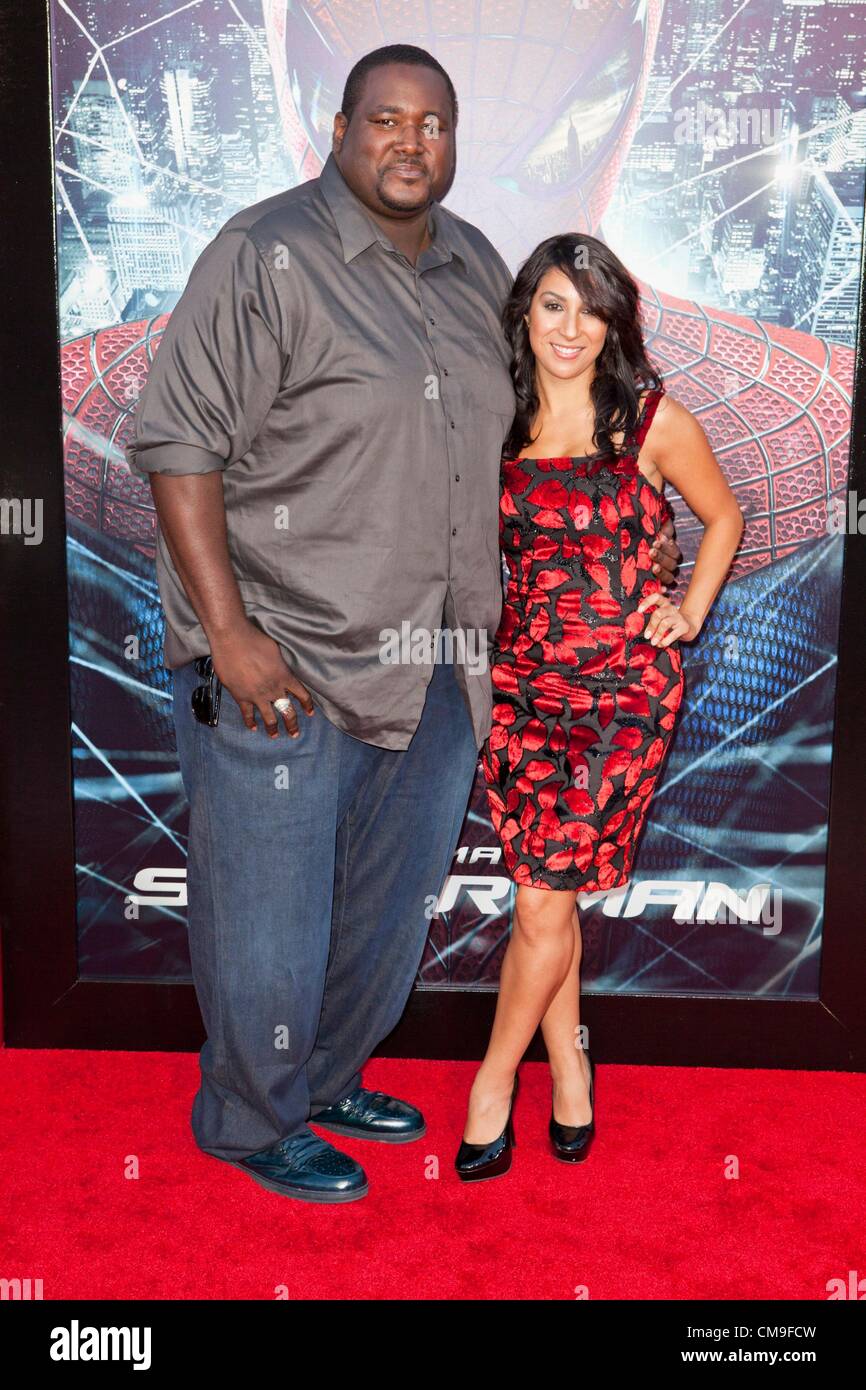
x=646, y=416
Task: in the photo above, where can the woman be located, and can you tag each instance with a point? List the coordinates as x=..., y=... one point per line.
x=587, y=668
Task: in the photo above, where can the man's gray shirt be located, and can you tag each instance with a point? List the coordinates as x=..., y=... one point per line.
x=356, y=405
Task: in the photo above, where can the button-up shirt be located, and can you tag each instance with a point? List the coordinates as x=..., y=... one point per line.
x=356, y=405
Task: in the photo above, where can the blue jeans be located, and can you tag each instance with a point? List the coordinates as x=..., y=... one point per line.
x=313, y=863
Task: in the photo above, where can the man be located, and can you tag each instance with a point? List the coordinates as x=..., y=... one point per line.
x=322, y=427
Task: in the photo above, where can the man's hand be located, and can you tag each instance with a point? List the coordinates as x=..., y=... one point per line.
x=251, y=668
x=666, y=554
x=192, y=518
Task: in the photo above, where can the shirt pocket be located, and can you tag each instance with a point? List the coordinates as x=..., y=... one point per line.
x=488, y=380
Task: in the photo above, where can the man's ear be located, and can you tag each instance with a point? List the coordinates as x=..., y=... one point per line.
x=337, y=134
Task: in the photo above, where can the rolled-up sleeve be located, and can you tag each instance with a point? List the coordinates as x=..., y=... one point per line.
x=218, y=366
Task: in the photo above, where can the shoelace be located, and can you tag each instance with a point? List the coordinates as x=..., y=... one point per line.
x=359, y=1094
x=302, y=1146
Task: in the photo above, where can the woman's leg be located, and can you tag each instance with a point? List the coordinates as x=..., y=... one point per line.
x=536, y=964
x=560, y=1027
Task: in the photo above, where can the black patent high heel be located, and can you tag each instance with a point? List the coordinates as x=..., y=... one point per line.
x=474, y=1162
x=571, y=1143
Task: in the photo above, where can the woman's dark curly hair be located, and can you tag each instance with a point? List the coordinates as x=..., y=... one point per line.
x=622, y=368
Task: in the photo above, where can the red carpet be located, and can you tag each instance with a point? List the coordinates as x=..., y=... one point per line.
x=650, y=1215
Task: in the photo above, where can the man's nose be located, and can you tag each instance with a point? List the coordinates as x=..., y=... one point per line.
x=408, y=136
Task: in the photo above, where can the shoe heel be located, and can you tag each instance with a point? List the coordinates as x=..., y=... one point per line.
x=475, y=1162
x=572, y=1143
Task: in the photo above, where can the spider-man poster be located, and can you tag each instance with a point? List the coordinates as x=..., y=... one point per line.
x=718, y=147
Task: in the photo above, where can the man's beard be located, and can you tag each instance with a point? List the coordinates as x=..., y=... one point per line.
x=424, y=198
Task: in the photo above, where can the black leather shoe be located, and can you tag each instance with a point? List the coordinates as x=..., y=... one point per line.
x=571, y=1143
x=373, y=1115
x=306, y=1167
x=475, y=1162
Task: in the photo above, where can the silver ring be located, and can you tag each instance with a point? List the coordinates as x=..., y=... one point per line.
x=282, y=704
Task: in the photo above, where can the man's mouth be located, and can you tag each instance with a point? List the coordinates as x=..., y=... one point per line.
x=567, y=354
x=406, y=171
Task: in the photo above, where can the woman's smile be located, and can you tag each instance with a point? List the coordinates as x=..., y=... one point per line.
x=567, y=354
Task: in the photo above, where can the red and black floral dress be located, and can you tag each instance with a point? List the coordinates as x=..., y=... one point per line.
x=584, y=705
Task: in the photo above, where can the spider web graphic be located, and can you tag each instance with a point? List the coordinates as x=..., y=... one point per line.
x=743, y=797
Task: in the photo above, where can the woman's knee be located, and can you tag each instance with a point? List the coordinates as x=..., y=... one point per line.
x=542, y=916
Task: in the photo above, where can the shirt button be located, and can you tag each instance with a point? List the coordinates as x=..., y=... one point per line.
x=432, y=320
x=453, y=426
x=454, y=531
x=457, y=477
x=445, y=371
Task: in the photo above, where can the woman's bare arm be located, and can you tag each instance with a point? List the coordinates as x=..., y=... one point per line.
x=679, y=448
